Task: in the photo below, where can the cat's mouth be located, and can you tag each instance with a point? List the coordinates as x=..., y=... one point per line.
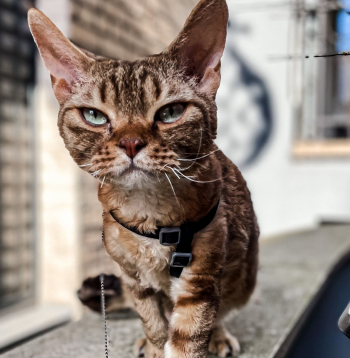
x=134, y=171
x=135, y=177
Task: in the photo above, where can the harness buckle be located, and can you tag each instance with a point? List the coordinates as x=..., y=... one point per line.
x=169, y=236
x=180, y=259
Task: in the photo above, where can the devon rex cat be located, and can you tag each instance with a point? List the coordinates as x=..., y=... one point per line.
x=146, y=130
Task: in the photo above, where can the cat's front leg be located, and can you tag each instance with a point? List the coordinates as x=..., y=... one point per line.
x=155, y=325
x=194, y=314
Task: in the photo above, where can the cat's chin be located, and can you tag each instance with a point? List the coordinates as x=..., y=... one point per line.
x=135, y=178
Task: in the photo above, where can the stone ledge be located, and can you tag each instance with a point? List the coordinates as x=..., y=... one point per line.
x=293, y=269
x=30, y=321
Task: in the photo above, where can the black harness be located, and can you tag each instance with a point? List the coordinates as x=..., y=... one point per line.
x=180, y=236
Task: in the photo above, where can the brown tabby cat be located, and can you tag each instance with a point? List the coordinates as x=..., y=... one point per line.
x=146, y=129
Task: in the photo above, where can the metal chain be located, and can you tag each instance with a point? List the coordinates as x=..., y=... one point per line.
x=103, y=309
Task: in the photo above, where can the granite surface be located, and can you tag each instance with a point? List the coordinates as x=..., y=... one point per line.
x=293, y=268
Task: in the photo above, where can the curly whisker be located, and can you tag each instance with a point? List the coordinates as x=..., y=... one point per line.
x=172, y=188
x=195, y=181
x=204, y=156
x=183, y=169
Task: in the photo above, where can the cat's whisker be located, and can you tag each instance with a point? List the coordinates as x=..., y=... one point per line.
x=173, y=190
x=199, y=148
x=165, y=166
x=183, y=169
x=172, y=169
x=103, y=181
x=94, y=174
x=197, y=181
x=175, y=173
x=204, y=156
x=189, y=153
x=85, y=165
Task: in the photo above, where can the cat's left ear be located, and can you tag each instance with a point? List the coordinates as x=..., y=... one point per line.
x=67, y=64
x=200, y=45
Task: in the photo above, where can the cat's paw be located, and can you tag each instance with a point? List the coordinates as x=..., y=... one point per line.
x=144, y=349
x=223, y=344
x=90, y=292
x=139, y=347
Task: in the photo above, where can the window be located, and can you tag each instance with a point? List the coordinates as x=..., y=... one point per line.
x=16, y=155
x=322, y=93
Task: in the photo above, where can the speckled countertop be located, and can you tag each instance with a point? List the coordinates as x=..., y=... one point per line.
x=293, y=268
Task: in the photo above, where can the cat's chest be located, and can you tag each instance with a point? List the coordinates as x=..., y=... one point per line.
x=146, y=209
x=140, y=205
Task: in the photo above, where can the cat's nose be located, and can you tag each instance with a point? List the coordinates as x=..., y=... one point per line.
x=132, y=146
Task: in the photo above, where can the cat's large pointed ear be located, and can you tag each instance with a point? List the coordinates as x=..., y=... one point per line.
x=67, y=64
x=200, y=44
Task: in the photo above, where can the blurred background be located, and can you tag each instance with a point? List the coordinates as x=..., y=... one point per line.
x=284, y=119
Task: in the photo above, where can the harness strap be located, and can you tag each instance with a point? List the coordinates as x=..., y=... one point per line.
x=181, y=236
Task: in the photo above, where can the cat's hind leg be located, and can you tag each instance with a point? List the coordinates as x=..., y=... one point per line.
x=223, y=343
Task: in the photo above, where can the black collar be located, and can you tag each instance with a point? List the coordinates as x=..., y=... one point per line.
x=181, y=236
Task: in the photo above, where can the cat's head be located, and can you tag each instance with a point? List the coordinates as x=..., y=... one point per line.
x=124, y=121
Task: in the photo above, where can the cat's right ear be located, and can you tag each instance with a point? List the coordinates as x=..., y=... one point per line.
x=200, y=45
x=67, y=64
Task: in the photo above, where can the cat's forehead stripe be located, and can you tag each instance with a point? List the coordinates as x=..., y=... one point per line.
x=115, y=87
x=158, y=89
x=134, y=86
x=103, y=91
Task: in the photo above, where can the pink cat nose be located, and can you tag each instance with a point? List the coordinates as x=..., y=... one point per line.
x=132, y=146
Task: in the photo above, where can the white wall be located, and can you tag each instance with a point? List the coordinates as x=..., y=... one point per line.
x=59, y=264
x=289, y=194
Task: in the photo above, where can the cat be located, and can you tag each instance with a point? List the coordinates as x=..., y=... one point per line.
x=146, y=130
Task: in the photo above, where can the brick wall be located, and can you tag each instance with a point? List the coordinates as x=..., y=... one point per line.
x=125, y=29
x=120, y=29
x=17, y=246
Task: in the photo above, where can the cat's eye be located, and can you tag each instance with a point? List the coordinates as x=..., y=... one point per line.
x=171, y=113
x=94, y=117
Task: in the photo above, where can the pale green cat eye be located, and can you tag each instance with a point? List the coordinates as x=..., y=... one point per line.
x=171, y=113
x=94, y=117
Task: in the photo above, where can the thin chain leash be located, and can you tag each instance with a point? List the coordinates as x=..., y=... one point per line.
x=103, y=307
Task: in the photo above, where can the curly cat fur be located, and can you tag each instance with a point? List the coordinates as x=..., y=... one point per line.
x=181, y=317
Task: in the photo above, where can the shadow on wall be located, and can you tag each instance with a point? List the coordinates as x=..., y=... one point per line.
x=244, y=107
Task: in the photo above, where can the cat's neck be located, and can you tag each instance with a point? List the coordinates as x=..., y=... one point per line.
x=159, y=203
